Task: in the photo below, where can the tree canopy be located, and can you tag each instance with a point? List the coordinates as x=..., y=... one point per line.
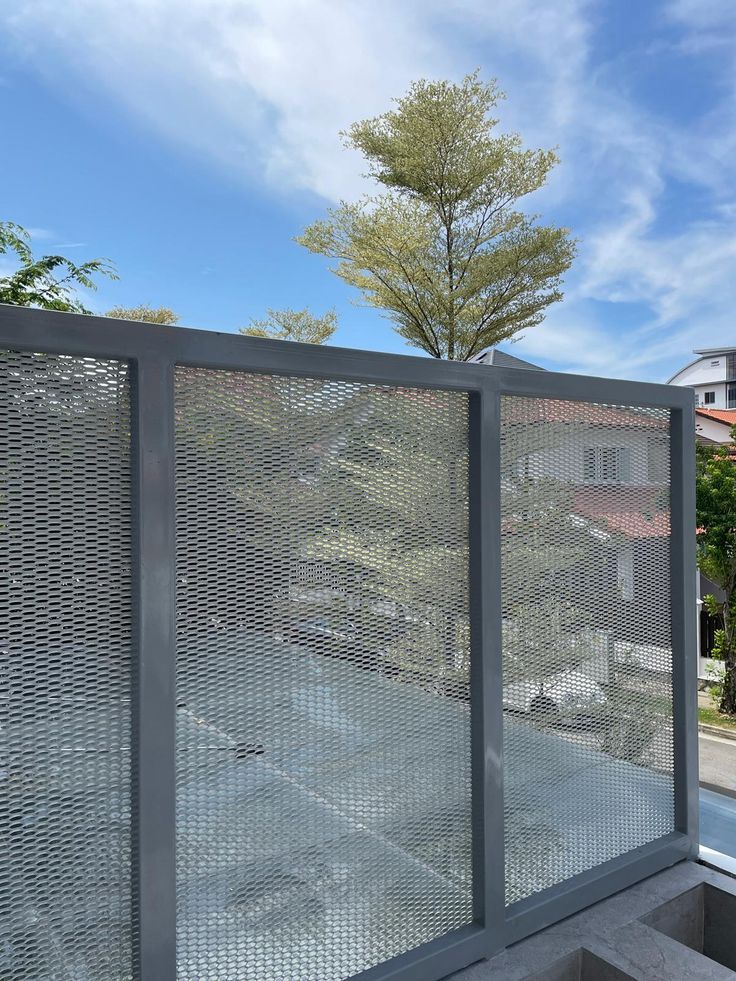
x=444, y=250
x=50, y=281
x=716, y=523
x=294, y=325
x=145, y=314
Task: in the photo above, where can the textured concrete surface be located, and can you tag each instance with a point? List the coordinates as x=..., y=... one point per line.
x=619, y=933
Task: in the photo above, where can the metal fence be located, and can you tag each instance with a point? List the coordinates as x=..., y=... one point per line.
x=320, y=664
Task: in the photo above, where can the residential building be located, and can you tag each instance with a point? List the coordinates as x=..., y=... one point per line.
x=714, y=425
x=612, y=462
x=712, y=375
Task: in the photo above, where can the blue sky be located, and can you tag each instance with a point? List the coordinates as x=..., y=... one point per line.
x=189, y=142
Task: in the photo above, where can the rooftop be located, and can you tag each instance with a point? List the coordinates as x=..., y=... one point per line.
x=570, y=413
x=727, y=416
x=501, y=359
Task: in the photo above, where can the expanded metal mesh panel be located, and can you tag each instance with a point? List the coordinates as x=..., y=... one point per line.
x=586, y=636
x=65, y=900
x=323, y=728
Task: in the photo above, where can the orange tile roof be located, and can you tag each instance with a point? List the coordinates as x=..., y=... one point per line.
x=635, y=512
x=627, y=511
x=549, y=410
x=727, y=416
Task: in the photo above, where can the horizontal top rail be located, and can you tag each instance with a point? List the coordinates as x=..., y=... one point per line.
x=64, y=333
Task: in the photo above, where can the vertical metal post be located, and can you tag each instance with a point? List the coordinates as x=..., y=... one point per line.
x=485, y=668
x=684, y=634
x=154, y=703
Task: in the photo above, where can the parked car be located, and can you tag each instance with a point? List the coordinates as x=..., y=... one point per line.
x=568, y=695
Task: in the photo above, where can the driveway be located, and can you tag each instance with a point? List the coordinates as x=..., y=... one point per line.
x=718, y=793
x=717, y=762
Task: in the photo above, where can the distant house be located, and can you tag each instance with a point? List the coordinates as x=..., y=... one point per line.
x=614, y=461
x=501, y=359
x=618, y=463
x=712, y=375
x=714, y=425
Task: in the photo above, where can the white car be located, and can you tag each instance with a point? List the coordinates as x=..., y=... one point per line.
x=563, y=695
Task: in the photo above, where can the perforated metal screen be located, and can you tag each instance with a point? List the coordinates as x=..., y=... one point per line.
x=323, y=726
x=587, y=658
x=322, y=654
x=65, y=663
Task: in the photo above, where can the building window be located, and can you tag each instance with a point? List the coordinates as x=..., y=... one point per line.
x=606, y=464
x=731, y=367
x=731, y=397
x=710, y=398
x=658, y=460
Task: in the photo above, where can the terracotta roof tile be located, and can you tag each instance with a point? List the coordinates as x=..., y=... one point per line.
x=720, y=415
x=567, y=412
x=635, y=512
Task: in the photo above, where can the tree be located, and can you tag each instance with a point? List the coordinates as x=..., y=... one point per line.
x=444, y=250
x=145, y=314
x=294, y=325
x=48, y=282
x=716, y=524
x=557, y=560
x=404, y=457
x=265, y=446
x=547, y=552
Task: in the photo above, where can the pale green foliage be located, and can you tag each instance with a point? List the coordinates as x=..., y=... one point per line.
x=541, y=550
x=406, y=460
x=48, y=282
x=443, y=250
x=145, y=314
x=294, y=325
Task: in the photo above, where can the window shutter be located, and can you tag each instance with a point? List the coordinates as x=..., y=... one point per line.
x=589, y=467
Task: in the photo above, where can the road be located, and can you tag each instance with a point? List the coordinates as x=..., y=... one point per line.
x=717, y=762
x=718, y=809
x=718, y=822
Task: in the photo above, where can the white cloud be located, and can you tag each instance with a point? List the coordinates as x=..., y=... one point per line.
x=262, y=87
x=265, y=86
x=704, y=15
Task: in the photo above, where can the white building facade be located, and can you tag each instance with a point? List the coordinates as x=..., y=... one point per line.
x=712, y=376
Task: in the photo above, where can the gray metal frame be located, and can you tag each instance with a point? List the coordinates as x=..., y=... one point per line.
x=154, y=772
x=152, y=353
